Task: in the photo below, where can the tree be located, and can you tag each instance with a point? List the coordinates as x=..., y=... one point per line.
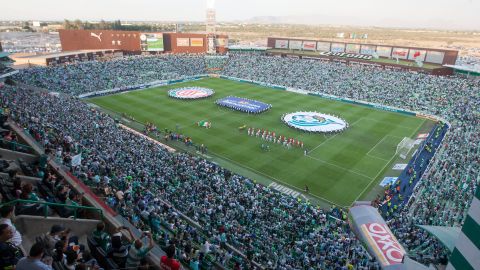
x=103, y=25
x=78, y=24
x=67, y=24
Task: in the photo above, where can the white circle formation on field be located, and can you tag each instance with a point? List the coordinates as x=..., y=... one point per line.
x=190, y=92
x=314, y=122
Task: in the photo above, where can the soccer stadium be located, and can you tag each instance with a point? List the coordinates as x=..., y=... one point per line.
x=142, y=150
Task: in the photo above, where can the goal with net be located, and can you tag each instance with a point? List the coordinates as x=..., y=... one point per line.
x=404, y=147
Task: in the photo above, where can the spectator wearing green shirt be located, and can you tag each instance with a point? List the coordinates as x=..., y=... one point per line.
x=101, y=237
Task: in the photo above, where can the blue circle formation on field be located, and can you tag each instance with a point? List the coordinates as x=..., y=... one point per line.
x=314, y=122
x=243, y=104
x=191, y=92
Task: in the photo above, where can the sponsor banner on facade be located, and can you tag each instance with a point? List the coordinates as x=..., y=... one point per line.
x=338, y=47
x=183, y=42
x=417, y=55
x=368, y=49
x=309, y=45
x=353, y=48
x=435, y=57
x=295, y=45
x=388, y=181
x=281, y=44
x=243, y=104
x=314, y=122
x=196, y=42
x=323, y=46
x=383, y=243
x=399, y=166
x=400, y=53
x=384, y=51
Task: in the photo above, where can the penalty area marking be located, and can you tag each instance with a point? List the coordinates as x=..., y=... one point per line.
x=388, y=163
x=340, y=167
x=379, y=142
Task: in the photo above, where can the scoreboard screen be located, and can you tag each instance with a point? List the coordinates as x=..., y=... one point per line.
x=152, y=42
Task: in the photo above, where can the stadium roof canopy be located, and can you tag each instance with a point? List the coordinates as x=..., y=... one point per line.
x=4, y=54
x=469, y=70
x=247, y=48
x=446, y=235
x=58, y=54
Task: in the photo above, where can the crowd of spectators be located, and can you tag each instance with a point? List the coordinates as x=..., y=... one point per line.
x=445, y=192
x=91, y=76
x=230, y=208
x=271, y=228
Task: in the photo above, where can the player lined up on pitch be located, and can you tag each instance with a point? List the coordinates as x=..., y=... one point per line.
x=271, y=136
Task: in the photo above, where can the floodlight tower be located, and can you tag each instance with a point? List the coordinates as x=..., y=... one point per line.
x=210, y=26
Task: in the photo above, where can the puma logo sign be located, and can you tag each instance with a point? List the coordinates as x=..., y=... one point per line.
x=97, y=36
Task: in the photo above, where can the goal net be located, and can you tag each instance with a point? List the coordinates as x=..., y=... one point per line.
x=404, y=147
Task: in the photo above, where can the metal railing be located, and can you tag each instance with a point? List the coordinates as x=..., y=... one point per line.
x=46, y=204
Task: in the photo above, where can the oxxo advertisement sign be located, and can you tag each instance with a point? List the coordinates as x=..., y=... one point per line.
x=347, y=55
x=384, y=244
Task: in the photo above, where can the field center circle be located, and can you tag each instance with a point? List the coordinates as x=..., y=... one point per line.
x=191, y=92
x=314, y=122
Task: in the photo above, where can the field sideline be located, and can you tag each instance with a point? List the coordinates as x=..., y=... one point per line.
x=340, y=168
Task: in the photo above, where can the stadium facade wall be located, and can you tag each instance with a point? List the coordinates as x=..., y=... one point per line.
x=75, y=40
x=185, y=43
x=222, y=48
x=130, y=41
x=449, y=56
x=405, y=53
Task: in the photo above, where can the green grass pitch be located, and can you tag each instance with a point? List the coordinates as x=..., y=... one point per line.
x=340, y=168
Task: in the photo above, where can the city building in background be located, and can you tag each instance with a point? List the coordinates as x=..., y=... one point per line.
x=211, y=26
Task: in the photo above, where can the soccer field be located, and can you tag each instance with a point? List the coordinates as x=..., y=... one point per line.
x=339, y=168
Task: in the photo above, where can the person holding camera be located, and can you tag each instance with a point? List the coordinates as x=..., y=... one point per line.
x=138, y=252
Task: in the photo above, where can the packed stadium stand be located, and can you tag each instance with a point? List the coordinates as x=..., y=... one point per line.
x=99, y=190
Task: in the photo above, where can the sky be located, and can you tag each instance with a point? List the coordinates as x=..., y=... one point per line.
x=442, y=14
